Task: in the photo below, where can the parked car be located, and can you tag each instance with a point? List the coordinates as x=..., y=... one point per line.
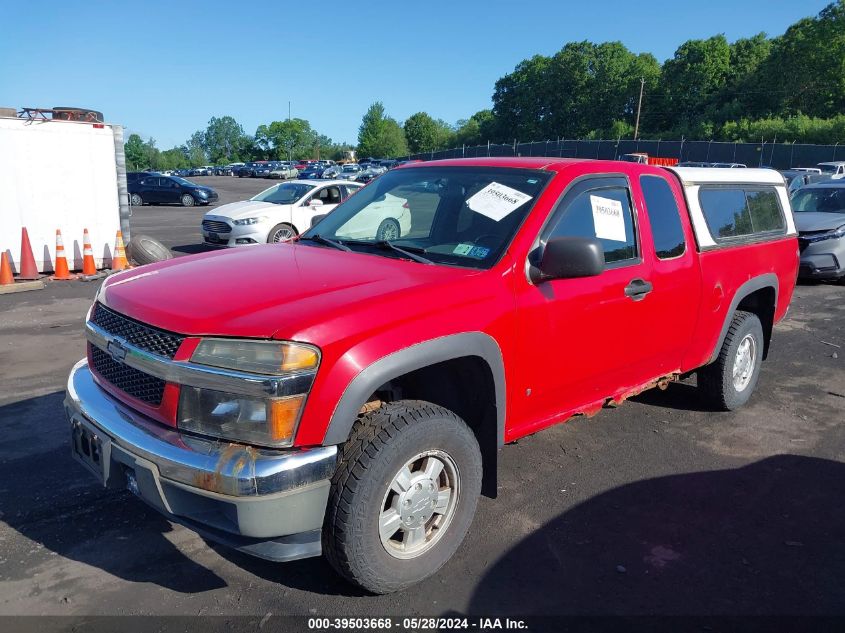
x=233, y=168
x=248, y=170
x=332, y=171
x=370, y=172
x=312, y=171
x=693, y=163
x=169, y=190
x=389, y=163
x=835, y=169
x=351, y=398
x=797, y=178
x=729, y=165
x=135, y=176
x=820, y=217
x=349, y=171
x=284, y=171
x=277, y=214
x=263, y=170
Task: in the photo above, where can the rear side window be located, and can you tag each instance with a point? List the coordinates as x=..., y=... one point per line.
x=664, y=217
x=741, y=212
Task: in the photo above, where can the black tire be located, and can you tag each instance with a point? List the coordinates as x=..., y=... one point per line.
x=382, y=442
x=187, y=200
x=281, y=227
x=388, y=230
x=716, y=382
x=136, y=200
x=144, y=249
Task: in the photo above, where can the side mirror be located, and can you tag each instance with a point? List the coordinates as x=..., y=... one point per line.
x=317, y=218
x=567, y=257
x=315, y=202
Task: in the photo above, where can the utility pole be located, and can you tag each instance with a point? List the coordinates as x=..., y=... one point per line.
x=639, y=108
x=290, y=145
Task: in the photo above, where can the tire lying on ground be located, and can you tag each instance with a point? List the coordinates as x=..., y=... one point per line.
x=144, y=249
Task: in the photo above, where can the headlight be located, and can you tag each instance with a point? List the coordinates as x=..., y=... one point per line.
x=247, y=221
x=265, y=421
x=202, y=194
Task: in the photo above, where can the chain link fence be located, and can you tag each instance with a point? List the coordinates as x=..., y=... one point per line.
x=763, y=154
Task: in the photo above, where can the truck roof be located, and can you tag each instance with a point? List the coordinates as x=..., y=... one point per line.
x=700, y=175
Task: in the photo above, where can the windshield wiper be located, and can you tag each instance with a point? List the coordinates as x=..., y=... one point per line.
x=326, y=241
x=408, y=254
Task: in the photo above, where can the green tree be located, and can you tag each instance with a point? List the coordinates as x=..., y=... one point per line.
x=694, y=78
x=223, y=140
x=422, y=133
x=292, y=138
x=133, y=149
x=380, y=135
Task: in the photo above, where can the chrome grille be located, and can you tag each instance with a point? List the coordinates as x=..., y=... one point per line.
x=216, y=226
x=136, y=383
x=143, y=336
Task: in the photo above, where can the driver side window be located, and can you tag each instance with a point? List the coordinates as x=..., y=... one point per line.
x=603, y=213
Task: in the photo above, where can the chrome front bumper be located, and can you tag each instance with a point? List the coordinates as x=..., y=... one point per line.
x=269, y=503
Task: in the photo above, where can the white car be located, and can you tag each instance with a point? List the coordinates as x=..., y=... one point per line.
x=277, y=214
x=387, y=218
x=836, y=169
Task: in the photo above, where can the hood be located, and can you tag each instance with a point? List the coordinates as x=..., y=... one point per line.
x=238, y=210
x=286, y=291
x=817, y=221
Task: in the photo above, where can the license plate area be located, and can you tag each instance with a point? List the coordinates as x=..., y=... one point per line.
x=91, y=449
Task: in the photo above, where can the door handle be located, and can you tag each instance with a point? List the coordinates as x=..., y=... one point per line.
x=638, y=289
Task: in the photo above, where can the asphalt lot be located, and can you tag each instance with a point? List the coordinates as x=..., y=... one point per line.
x=657, y=507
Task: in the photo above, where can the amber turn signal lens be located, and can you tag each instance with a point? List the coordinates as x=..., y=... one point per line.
x=282, y=416
x=297, y=357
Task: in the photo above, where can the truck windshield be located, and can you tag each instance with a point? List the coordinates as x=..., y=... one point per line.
x=462, y=216
x=824, y=200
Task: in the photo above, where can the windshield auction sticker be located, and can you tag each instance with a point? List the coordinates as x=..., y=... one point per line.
x=497, y=201
x=608, y=218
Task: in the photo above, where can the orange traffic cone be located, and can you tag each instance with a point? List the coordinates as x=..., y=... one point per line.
x=118, y=260
x=62, y=273
x=28, y=268
x=88, y=265
x=5, y=270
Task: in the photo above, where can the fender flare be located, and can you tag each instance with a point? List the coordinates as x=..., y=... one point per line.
x=768, y=280
x=410, y=359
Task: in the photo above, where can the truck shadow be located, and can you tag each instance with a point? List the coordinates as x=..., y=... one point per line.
x=193, y=249
x=47, y=497
x=764, y=539
x=681, y=396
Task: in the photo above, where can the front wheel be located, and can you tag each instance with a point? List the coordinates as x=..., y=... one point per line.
x=388, y=230
x=136, y=200
x=728, y=383
x=188, y=200
x=403, y=496
x=283, y=232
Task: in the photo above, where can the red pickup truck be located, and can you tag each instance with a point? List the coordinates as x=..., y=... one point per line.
x=347, y=394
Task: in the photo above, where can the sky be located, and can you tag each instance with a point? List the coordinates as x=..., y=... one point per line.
x=163, y=69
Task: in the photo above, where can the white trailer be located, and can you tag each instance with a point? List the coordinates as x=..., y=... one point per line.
x=60, y=174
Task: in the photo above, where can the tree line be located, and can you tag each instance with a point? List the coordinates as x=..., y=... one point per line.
x=786, y=88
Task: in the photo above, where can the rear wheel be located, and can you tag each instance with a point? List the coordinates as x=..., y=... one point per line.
x=728, y=383
x=283, y=232
x=187, y=200
x=403, y=496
